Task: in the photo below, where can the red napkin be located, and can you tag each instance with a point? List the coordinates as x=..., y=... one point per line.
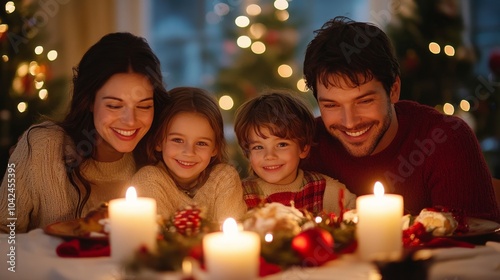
x=442, y=242
x=76, y=248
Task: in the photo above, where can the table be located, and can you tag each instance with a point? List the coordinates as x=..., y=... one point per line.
x=35, y=258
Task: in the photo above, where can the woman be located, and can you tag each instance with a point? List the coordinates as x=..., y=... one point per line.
x=62, y=170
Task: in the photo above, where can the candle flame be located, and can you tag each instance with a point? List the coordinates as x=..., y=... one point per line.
x=230, y=226
x=378, y=189
x=131, y=194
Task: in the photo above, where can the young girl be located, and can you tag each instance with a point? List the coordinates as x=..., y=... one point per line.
x=62, y=170
x=189, y=151
x=275, y=131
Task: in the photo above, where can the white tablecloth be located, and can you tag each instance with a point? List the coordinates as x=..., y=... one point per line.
x=35, y=258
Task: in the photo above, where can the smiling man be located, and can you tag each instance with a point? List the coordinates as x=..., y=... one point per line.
x=365, y=134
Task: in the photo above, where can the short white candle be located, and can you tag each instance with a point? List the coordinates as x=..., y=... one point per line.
x=133, y=224
x=232, y=254
x=379, y=232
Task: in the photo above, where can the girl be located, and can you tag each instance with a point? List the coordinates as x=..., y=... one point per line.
x=190, y=154
x=62, y=170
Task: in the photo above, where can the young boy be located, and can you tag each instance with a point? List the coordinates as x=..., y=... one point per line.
x=275, y=132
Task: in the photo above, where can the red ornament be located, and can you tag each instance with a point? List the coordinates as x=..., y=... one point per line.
x=188, y=221
x=494, y=62
x=314, y=246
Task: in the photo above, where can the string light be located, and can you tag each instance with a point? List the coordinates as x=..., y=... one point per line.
x=10, y=7
x=258, y=47
x=285, y=71
x=449, y=50
x=244, y=42
x=253, y=10
x=448, y=109
x=301, y=85
x=242, y=21
x=434, y=48
x=226, y=102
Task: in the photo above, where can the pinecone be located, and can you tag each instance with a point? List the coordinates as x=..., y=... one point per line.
x=188, y=221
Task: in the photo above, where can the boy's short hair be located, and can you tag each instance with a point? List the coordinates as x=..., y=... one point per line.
x=284, y=114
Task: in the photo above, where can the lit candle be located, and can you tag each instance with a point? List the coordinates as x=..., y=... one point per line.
x=379, y=231
x=133, y=224
x=232, y=254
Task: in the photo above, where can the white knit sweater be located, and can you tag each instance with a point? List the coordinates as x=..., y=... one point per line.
x=43, y=193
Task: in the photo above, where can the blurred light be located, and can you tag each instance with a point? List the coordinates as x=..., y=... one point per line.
x=10, y=7
x=52, y=55
x=22, y=107
x=212, y=18
x=268, y=237
x=449, y=50
x=17, y=85
x=257, y=30
x=33, y=68
x=39, y=84
x=226, y=102
x=258, y=47
x=281, y=4
x=5, y=58
x=3, y=28
x=285, y=70
x=244, y=42
x=301, y=85
x=221, y=9
x=253, y=10
x=318, y=219
x=282, y=15
x=22, y=70
x=465, y=105
x=242, y=21
x=434, y=48
x=39, y=50
x=448, y=109
x=43, y=94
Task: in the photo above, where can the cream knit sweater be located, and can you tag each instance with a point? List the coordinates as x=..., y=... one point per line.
x=220, y=197
x=43, y=193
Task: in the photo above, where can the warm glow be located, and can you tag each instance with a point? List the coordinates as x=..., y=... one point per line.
x=434, y=48
x=318, y=219
x=22, y=106
x=34, y=68
x=282, y=15
x=449, y=50
x=257, y=30
x=244, y=42
x=253, y=10
x=448, y=109
x=301, y=85
x=285, y=70
x=465, y=105
x=242, y=21
x=378, y=189
x=226, y=102
x=230, y=226
x=52, y=55
x=39, y=50
x=281, y=4
x=22, y=70
x=5, y=58
x=131, y=194
x=268, y=237
x=39, y=84
x=43, y=94
x=10, y=7
x=258, y=47
x=3, y=28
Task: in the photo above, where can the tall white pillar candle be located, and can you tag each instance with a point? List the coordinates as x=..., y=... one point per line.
x=133, y=224
x=379, y=231
x=231, y=254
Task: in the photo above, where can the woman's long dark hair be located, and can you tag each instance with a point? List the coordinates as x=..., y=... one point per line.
x=114, y=53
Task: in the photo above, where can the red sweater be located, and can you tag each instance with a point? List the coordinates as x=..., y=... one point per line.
x=433, y=160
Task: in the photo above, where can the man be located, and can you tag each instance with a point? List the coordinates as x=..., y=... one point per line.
x=365, y=134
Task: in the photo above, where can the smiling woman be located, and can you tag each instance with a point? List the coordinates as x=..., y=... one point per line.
x=65, y=169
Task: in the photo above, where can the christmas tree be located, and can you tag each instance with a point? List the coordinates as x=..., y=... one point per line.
x=436, y=64
x=27, y=89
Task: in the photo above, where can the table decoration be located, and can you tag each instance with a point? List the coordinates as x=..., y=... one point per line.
x=133, y=225
x=378, y=230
